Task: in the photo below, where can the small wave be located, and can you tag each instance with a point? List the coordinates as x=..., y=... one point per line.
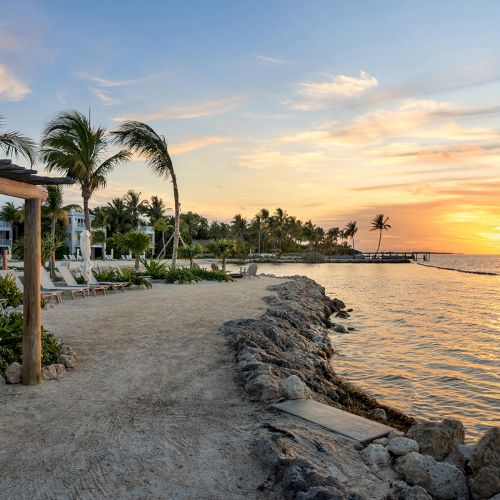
x=458, y=270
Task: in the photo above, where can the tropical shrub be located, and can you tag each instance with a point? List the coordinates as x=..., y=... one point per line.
x=206, y=275
x=132, y=277
x=155, y=268
x=181, y=275
x=10, y=292
x=222, y=249
x=190, y=252
x=105, y=274
x=11, y=342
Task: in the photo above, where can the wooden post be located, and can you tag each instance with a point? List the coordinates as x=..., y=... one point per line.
x=5, y=260
x=32, y=341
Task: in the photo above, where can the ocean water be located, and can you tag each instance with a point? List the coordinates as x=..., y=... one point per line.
x=426, y=340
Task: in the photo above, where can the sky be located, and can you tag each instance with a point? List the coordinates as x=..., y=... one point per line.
x=331, y=110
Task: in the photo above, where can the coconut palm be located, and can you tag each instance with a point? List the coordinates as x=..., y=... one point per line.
x=14, y=143
x=141, y=138
x=190, y=252
x=134, y=242
x=222, y=249
x=155, y=209
x=350, y=231
x=379, y=223
x=162, y=226
x=239, y=226
x=71, y=145
x=135, y=206
x=54, y=210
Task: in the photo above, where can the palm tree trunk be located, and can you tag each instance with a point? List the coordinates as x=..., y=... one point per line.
x=53, y=253
x=137, y=261
x=177, y=213
x=259, y=240
x=86, y=211
x=379, y=240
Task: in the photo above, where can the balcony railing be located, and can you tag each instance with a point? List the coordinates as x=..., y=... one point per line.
x=5, y=243
x=5, y=225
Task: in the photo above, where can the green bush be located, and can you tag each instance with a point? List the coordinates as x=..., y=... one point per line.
x=11, y=342
x=155, y=268
x=9, y=291
x=124, y=275
x=206, y=275
x=186, y=275
x=105, y=274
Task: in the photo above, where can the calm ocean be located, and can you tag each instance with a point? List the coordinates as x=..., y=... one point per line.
x=427, y=340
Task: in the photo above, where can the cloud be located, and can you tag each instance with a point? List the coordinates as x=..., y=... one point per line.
x=199, y=143
x=338, y=85
x=208, y=108
x=8, y=42
x=271, y=61
x=11, y=87
x=104, y=97
x=104, y=82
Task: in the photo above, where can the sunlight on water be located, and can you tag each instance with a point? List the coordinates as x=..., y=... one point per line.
x=426, y=341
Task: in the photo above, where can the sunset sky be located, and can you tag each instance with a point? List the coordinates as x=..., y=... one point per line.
x=332, y=110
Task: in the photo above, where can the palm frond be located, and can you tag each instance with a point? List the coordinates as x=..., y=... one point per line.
x=14, y=143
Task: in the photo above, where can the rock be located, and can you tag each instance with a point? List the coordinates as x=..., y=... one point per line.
x=19, y=308
x=402, y=446
x=351, y=328
x=69, y=351
x=294, y=388
x=13, y=373
x=442, y=480
x=9, y=309
x=376, y=454
x=402, y=491
x=67, y=360
x=438, y=439
x=269, y=451
x=340, y=329
x=320, y=493
x=379, y=413
x=2, y=380
x=263, y=387
x=382, y=441
x=485, y=465
x=342, y=314
x=294, y=478
x=465, y=450
x=60, y=368
x=49, y=372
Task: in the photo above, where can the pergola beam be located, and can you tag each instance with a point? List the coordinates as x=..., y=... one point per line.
x=19, y=189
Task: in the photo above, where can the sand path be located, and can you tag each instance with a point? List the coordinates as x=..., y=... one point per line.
x=152, y=411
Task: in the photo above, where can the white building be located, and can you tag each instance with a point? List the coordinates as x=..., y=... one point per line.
x=5, y=236
x=76, y=224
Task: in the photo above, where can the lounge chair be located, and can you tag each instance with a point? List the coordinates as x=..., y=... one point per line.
x=65, y=257
x=49, y=286
x=111, y=284
x=43, y=293
x=252, y=271
x=69, y=279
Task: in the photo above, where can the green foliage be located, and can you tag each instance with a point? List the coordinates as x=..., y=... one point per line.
x=105, y=274
x=155, y=268
x=186, y=275
x=11, y=342
x=190, y=252
x=126, y=275
x=206, y=275
x=9, y=291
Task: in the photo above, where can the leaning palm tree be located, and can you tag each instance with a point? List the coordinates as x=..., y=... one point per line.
x=14, y=143
x=350, y=231
x=141, y=138
x=162, y=226
x=54, y=210
x=71, y=145
x=379, y=223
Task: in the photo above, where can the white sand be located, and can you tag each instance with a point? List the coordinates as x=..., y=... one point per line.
x=152, y=411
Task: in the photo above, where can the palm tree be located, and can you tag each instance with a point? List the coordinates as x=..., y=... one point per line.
x=239, y=226
x=379, y=223
x=14, y=143
x=71, y=145
x=155, y=209
x=333, y=234
x=350, y=231
x=135, y=206
x=222, y=249
x=162, y=226
x=134, y=242
x=142, y=139
x=54, y=210
x=190, y=252
x=118, y=216
x=13, y=215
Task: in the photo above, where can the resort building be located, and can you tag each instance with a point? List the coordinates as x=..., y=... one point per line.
x=5, y=236
x=76, y=224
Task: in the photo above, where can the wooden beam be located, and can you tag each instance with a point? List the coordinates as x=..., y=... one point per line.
x=18, y=189
x=32, y=313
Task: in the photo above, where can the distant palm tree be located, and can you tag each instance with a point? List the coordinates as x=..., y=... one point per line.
x=142, y=139
x=379, y=223
x=333, y=235
x=161, y=225
x=72, y=146
x=222, y=249
x=155, y=209
x=190, y=252
x=134, y=242
x=14, y=143
x=135, y=206
x=14, y=216
x=54, y=210
x=350, y=231
x=239, y=226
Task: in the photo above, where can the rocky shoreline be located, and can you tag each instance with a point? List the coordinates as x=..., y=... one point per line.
x=285, y=354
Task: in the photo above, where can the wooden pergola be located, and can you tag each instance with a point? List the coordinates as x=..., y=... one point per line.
x=24, y=183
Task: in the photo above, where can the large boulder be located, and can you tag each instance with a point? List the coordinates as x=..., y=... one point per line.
x=485, y=465
x=294, y=388
x=440, y=440
x=68, y=360
x=263, y=387
x=376, y=454
x=13, y=373
x=442, y=480
x=403, y=491
x=400, y=446
x=49, y=372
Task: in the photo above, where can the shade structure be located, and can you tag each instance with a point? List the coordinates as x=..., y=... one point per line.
x=85, y=248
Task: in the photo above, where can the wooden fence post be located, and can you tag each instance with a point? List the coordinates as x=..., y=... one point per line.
x=32, y=341
x=5, y=263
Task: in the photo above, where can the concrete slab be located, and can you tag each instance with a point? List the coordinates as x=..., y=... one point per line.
x=339, y=421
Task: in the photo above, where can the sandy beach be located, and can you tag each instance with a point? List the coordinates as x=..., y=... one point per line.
x=153, y=408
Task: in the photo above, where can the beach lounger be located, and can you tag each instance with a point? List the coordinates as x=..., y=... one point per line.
x=65, y=257
x=49, y=286
x=114, y=285
x=44, y=294
x=252, y=271
x=69, y=279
